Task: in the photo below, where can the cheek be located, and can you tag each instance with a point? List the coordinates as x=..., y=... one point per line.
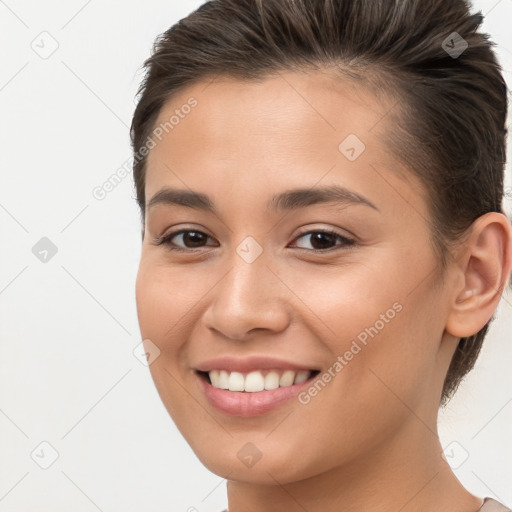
x=164, y=298
x=161, y=310
x=382, y=331
x=370, y=393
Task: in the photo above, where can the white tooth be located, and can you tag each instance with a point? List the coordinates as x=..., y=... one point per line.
x=287, y=378
x=254, y=382
x=223, y=379
x=272, y=380
x=301, y=376
x=236, y=381
x=214, y=377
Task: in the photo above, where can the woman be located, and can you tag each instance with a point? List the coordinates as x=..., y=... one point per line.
x=324, y=245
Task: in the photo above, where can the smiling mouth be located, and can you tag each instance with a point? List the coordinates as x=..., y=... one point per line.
x=257, y=380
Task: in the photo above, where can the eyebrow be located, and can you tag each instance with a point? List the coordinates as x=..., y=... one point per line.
x=288, y=200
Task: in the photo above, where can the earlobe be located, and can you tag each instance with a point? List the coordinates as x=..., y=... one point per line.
x=486, y=263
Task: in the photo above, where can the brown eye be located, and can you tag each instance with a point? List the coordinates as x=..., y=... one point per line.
x=321, y=240
x=191, y=239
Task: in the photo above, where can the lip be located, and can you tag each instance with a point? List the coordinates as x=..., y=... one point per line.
x=245, y=404
x=249, y=364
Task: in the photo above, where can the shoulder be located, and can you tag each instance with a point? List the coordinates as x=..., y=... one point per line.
x=491, y=505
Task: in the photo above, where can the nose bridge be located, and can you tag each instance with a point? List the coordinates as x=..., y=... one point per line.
x=249, y=295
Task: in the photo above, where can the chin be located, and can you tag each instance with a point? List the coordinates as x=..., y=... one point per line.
x=243, y=462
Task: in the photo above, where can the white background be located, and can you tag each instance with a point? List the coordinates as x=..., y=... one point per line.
x=68, y=375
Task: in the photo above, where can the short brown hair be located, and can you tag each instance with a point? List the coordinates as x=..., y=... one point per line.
x=450, y=122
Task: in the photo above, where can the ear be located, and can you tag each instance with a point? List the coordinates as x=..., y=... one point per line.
x=484, y=265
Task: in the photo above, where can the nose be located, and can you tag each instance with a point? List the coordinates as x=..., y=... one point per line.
x=249, y=298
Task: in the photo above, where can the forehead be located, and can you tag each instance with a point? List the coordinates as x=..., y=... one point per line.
x=284, y=130
x=295, y=110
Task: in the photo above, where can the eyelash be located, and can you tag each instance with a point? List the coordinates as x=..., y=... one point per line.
x=166, y=240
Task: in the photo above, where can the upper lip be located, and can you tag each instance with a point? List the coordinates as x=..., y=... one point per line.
x=248, y=364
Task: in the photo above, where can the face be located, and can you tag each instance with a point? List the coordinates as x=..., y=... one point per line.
x=335, y=288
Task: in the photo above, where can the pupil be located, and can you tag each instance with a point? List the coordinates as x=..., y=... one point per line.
x=191, y=235
x=318, y=237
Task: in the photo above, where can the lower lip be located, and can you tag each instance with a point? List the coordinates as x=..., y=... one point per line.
x=245, y=404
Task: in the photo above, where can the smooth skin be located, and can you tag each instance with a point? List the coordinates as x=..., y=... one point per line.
x=368, y=441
